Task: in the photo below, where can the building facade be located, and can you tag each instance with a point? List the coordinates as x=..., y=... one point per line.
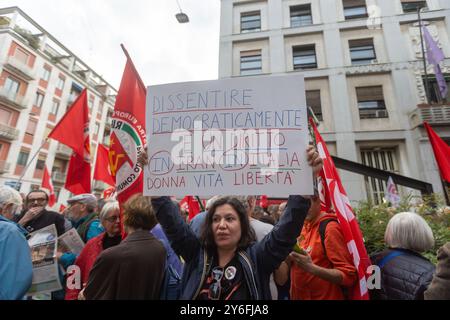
x=39, y=79
x=364, y=76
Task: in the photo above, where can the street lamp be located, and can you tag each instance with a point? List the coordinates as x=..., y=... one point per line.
x=181, y=17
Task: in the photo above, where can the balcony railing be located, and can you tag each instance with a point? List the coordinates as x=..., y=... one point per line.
x=17, y=66
x=433, y=114
x=63, y=151
x=4, y=166
x=13, y=99
x=59, y=177
x=8, y=133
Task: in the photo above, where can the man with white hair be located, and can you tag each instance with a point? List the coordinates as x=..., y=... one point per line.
x=15, y=268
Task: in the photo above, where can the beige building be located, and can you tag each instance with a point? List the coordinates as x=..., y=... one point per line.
x=364, y=74
x=39, y=79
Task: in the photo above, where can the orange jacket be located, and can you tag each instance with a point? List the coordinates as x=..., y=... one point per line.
x=305, y=286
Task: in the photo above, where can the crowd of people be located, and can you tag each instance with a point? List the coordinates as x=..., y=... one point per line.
x=234, y=250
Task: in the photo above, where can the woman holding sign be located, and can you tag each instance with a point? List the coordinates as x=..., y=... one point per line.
x=226, y=263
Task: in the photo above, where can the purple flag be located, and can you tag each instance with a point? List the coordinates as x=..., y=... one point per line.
x=434, y=53
x=434, y=57
x=441, y=81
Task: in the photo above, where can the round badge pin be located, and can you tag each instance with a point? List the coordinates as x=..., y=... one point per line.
x=230, y=273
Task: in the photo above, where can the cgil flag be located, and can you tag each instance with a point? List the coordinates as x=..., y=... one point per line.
x=346, y=217
x=392, y=193
x=47, y=184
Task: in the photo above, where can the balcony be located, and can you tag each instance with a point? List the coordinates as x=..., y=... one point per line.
x=8, y=133
x=4, y=166
x=20, y=69
x=59, y=177
x=63, y=152
x=438, y=114
x=13, y=99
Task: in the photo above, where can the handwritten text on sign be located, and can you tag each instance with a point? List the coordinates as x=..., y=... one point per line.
x=241, y=136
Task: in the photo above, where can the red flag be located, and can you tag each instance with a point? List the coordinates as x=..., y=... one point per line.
x=62, y=208
x=193, y=207
x=78, y=179
x=346, y=217
x=71, y=129
x=441, y=152
x=264, y=202
x=128, y=136
x=47, y=184
x=102, y=171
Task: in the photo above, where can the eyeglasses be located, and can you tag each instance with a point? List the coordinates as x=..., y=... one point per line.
x=113, y=219
x=215, y=289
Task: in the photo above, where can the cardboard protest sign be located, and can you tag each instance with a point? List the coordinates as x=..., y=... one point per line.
x=242, y=136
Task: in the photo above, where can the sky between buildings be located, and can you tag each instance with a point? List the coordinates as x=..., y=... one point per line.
x=163, y=50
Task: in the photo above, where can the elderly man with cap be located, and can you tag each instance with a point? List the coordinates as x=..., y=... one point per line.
x=15, y=258
x=82, y=212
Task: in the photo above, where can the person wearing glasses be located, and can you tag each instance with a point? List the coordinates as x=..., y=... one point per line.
x=110, y=220
x=226, y=262
x=36, y=216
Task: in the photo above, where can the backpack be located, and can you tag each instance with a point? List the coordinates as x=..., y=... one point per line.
x=322, y=228
x=171, y=286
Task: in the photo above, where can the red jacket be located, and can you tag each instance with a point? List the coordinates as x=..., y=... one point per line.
x=85, y=262
x=305, y=286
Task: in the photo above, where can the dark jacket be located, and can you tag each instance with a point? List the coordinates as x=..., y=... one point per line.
x=404, y=277
x=46, y=218
x=258, y=260
x=132, y=270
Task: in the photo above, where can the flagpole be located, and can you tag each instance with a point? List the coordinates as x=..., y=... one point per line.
x=427, y=91
x=32, y=159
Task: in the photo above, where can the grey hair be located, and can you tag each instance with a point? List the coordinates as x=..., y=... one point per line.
x=9, y=195
x=245, y=200
x=408, y=230
x=211, y=201
x=108, y=207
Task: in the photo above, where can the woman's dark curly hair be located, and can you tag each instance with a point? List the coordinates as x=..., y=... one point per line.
x=247, y=233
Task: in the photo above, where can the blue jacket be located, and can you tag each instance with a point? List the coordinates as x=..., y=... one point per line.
x=172, y=257
x=259, y=260
x=16, y=269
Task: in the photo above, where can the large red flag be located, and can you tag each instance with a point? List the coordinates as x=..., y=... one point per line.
x=71, y=129
x=192, y=205
x=102, y=171
x=128, y=137
x=346, y=217
x=441, y=152
x=47, y=184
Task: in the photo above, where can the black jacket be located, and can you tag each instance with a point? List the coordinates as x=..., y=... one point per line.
x=404, y=277
x=46, y=218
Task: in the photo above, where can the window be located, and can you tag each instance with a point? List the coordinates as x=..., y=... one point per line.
x=371, y=102
x=379, y=158
x=304, y=57
x=91, y=102
x=46, y=74
x=60, y=84
x=31, y=127
x=5, y=116
x=362, y=51
x=251, y=62
x=23, y=158
x=21, y=55
x=55, y=107
x=412, y=5
x=11, y=87
x=301, y=16
x=96, y=128
x=354, y=9
x=434, y=92
x=313, y=101
x=251, y=21
x=40, y=164
x=39, y=100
